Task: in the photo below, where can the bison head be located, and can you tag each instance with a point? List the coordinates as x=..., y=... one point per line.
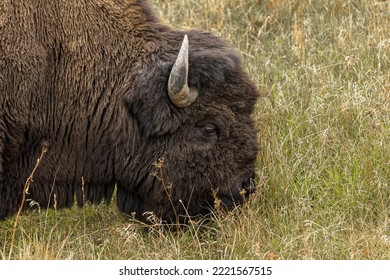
x=192, y=105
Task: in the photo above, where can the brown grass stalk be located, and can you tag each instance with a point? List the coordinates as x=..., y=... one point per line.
x=24, y=196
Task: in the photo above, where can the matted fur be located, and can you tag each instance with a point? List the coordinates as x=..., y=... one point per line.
x=89, y=77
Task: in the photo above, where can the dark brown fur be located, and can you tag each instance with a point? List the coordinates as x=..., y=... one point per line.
x=90, y=79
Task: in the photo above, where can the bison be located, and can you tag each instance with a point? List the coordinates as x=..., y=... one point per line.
x=121, y=101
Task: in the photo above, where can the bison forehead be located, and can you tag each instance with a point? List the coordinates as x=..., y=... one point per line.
x=216, y=70
x=216, y=73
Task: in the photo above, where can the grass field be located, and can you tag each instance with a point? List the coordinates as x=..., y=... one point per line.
x=323, y=173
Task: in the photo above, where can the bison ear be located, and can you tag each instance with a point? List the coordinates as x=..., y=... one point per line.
x=147, y=101
x=159, y=91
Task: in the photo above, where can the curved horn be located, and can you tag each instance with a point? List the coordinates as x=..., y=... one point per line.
x=178, y=90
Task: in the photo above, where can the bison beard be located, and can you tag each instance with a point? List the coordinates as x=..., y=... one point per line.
x=121, y=100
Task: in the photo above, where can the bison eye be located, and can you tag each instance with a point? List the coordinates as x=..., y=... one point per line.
x=209, y=129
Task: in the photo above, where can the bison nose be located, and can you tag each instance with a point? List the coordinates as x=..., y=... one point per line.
x=249, y=185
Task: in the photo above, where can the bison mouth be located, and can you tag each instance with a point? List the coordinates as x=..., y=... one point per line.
x=182, y=211
x=239, y=193
x=242, y=189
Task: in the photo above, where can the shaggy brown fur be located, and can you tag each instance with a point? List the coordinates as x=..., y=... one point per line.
x=89, y=77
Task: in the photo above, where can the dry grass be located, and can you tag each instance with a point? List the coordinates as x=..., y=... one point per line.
x=324, y=168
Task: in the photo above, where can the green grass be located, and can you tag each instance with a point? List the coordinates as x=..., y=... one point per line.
x=323, y=68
